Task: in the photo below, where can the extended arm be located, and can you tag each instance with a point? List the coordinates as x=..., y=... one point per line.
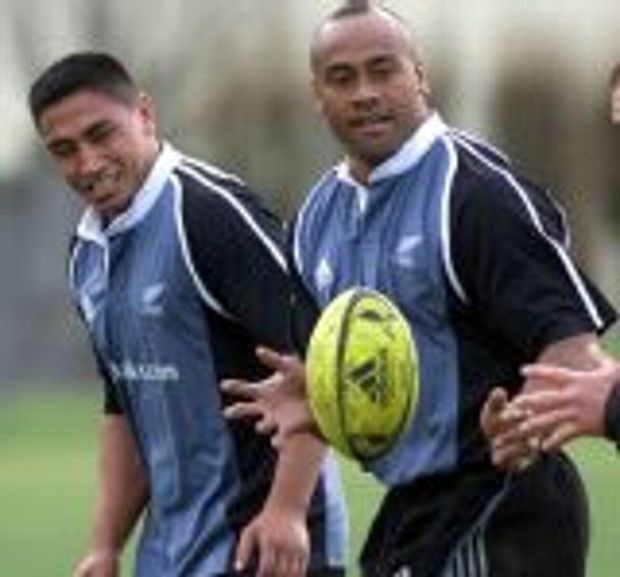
x=279, y=403
x=562, y=404
x=279, y=532
x=120, y=500
x=243, y=267
x=526, y=292
x=516, y=433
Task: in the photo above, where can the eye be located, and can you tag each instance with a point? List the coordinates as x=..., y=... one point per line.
x=62, y=150
x=382, y=69
x=100, y=133
x=339, y=76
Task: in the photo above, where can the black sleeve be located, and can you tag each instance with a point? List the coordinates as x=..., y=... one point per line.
x=612, y=416
x=304, y=308
x=236, y=248
x=508, y=246
x=111, y=403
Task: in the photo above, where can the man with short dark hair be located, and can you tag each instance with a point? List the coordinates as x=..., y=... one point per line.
x=475, y=255
x=177, y=271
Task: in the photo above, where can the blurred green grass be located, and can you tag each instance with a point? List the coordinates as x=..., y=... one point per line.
x=47, y=481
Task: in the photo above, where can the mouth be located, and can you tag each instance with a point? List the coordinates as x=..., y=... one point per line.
x=103, y=191
x=371, y=123
x=98, y=186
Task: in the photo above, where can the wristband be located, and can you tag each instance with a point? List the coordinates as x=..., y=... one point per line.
x=612, y=415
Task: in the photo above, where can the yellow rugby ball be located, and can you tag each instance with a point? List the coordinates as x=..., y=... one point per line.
x=362, y=373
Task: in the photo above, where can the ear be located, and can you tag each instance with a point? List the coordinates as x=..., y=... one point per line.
x=425, y=87
x=146, y=110
x=316, y=92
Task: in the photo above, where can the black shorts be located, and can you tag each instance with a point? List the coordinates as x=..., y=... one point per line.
x=481, y=524
x=325, y=572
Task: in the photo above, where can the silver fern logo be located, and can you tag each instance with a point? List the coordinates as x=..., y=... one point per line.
x=323, y=275
x=152, y=300
x=404, y=255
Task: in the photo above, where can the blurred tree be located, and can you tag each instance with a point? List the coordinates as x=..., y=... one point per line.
x=230, y=83
x=537, y=115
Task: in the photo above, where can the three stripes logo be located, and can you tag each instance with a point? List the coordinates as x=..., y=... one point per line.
x=371, y=378
x=385, y=321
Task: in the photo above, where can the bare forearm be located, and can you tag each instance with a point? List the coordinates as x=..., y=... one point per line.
x=279, y=534
x=582, y=352
x=123, y=488
x=299, y=464
x=556, y=404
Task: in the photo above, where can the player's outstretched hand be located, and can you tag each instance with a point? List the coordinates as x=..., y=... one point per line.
x=279, y=540
x=512, y=449
x=562, y=404
x=277, y=403
x=98, y=564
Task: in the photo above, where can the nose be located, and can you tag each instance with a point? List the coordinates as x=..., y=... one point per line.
x=88, y=159
x=365, y=94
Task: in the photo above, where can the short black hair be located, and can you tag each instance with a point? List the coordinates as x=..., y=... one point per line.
x=96, y=71
x=355, y=7
x=351, y=7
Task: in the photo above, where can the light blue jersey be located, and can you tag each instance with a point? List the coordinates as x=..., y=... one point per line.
x=474, y=255
x=176, y=293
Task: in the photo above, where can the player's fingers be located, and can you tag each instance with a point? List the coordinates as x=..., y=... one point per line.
x=544, y=423
x=515, y=449
x=299, y=564
x=542, y=401
x=496, y=401
x=512, y=437
x=505, y=457
x=559, y=436
x=511, y=414
x=238, y=411
x=266, y=425
x=245, y=548
x=282, y=564
x=271, y=358
x=515, y=456
x=525, y=461
x=547, y=375
x=288, y=563
x=267, y=562
x=276, y=441
x=302, y=566
x=240, y=388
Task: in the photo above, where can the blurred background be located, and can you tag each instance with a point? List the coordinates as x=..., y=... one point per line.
x=230, y=81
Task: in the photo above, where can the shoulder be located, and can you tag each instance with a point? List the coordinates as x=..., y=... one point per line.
x=311, y=213
x=214, y=201
x=207, y=187
x=487, y=188
x=318, y=194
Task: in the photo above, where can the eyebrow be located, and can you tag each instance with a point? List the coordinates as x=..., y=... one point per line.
x=87, y=132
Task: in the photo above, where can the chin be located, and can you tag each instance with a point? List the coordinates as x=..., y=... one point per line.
x=376, y=156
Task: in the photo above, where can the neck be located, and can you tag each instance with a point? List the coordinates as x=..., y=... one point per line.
x=360, y=169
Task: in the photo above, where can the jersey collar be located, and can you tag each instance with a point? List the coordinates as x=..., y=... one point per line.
x=91, y=227
x=407, y=156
